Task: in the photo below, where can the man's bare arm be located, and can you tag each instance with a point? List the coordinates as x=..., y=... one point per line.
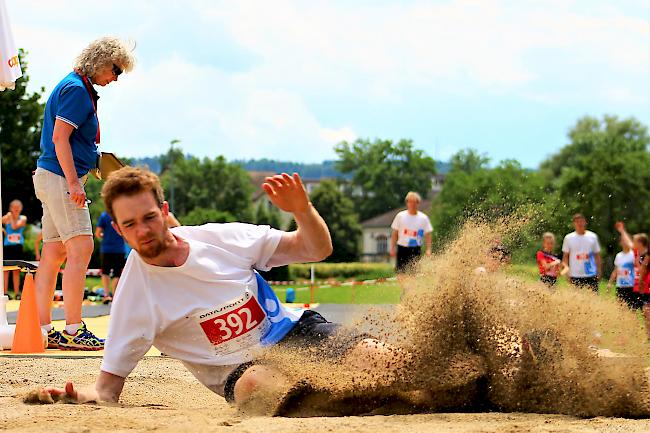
x=625, y=236
x=311, y=242
x=393, y=243
x=63, y=150
x=599, y=265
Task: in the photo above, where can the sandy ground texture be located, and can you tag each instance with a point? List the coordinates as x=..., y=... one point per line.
x=162, y=396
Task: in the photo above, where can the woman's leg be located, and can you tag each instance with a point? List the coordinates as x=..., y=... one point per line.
x=78, y=250
x=52, y=257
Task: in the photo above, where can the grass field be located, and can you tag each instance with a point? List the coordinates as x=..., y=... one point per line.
x=385, y=293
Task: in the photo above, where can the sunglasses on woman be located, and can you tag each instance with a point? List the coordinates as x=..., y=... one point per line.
x=116, y=70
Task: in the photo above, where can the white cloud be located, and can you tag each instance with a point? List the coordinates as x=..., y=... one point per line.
x=334, y=136
x=353, y=54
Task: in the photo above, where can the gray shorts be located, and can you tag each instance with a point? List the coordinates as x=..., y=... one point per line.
x=62, y=218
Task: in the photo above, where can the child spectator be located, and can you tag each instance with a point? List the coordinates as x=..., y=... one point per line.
x=112, y=254
x=549, y=264
x=14, y=238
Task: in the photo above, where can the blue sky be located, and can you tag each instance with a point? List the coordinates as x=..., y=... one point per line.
x=289, y=79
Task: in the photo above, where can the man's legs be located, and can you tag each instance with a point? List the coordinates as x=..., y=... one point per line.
x=78, y=249
x=114, y=286
x=16, y=278
x=52, y=258
x=269, y=384
x=106, y=284
x=260, y=380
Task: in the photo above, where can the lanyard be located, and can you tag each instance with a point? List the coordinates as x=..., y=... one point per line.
x=92, y=94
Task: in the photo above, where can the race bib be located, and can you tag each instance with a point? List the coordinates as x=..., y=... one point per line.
x=588, y=263
x=14, y=238
x=236, y=325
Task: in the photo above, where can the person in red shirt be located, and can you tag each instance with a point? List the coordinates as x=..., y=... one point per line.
x=550, y=265
x=642, y=277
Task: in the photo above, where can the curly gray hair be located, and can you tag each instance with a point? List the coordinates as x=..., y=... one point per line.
x=103, y=53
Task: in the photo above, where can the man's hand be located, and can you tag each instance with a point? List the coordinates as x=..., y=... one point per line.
x=287, y=193
x=620, y=226
x=77, y=194
x=51, y=395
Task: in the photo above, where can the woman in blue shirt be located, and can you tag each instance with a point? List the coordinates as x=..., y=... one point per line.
x=69, y=141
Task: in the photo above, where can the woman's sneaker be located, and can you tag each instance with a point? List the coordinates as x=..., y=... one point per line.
x=53, y=339
x=83, y=339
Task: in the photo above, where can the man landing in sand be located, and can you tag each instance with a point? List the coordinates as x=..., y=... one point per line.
x=194, y=293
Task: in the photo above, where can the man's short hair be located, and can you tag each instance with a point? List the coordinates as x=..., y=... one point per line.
x=642, y=238
x=412, y=194
x=130, y=181
x=579, y=216
x=548, y=235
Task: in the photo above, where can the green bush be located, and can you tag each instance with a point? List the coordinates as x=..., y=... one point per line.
x=356, y=270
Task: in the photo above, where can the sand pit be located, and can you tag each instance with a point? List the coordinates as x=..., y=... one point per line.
x=161, y=396
x=475, y=342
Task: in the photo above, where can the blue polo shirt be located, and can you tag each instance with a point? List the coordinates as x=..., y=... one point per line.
x=112, y=243
x=70, y=103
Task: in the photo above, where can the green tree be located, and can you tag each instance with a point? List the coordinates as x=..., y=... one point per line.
x=267, y=214
x=472, y=189
x=209, y=184
x=21, y=115
x=383, y=172
x=338, y=212
x=603, y=173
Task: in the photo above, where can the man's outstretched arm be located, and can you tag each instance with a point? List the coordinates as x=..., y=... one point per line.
x=311, y=242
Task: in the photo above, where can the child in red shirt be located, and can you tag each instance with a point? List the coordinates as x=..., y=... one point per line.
x=550, y=265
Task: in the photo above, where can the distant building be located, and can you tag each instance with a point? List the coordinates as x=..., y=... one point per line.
x=377, y=232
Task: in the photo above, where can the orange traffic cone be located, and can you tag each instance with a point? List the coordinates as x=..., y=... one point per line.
x=28, y=337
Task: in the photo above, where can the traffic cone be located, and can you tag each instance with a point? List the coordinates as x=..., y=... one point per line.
x=28, y=337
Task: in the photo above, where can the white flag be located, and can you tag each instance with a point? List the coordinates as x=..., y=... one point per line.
x=9, y=64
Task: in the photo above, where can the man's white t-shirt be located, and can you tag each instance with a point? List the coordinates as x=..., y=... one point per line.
x=624, y=263
x=582, y=250
x=213, y=312
x=411, y=228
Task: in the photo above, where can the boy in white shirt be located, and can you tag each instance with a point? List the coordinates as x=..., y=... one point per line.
x=194, y=294
x=410, y=229
x=582, y=255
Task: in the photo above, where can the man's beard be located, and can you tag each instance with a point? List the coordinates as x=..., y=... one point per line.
x=155, y=247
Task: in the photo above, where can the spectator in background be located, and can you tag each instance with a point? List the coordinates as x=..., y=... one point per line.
x=582, y=255
x=550, y=265
x=411, y=228
x=624, y=270
x=639, y=244
x=14, y=238
x=112, y=253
